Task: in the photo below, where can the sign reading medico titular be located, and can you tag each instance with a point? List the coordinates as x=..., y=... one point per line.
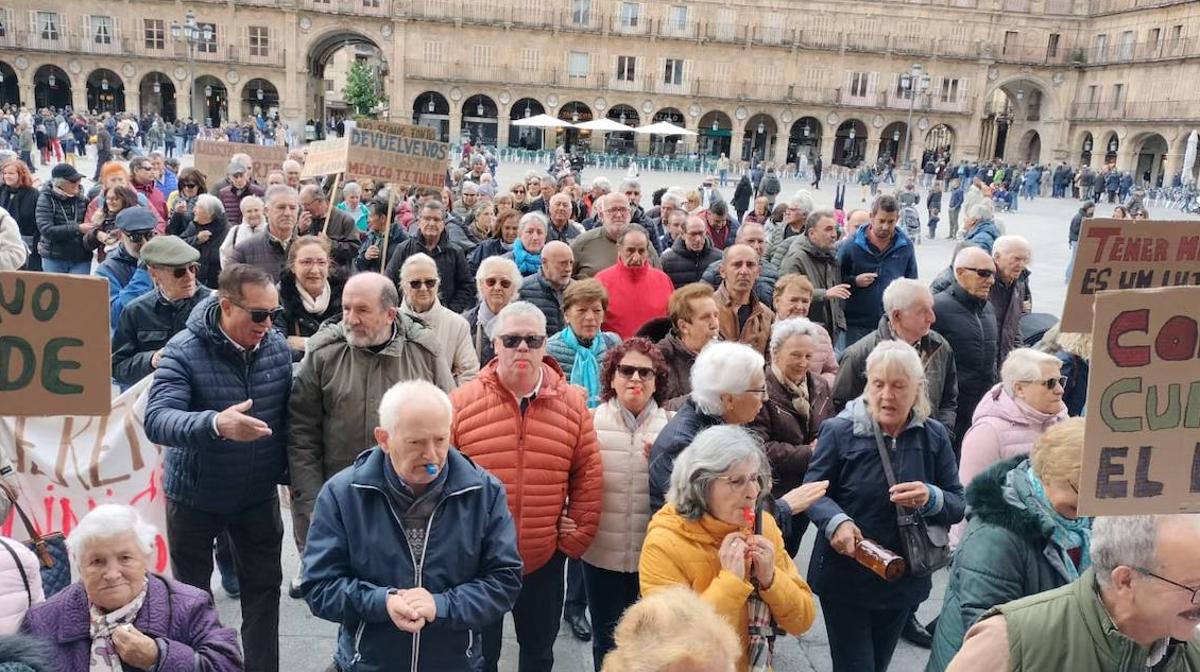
x=1142, y=437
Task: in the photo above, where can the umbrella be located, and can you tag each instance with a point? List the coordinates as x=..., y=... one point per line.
x=543, y=121
x=1189, y=159
x=604, y=125
x=663, y=128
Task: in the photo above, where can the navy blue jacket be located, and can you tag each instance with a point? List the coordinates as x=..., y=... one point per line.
x=200, y=374
x=865, y=305
x=858, y=490
x=674, y=437
x=356, y=551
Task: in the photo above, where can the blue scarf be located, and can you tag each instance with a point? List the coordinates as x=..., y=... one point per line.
x=527, y=263
x=585, y=372
x=1067, y=533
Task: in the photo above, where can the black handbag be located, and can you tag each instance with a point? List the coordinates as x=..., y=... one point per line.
x=926, y=547
x=50, y=548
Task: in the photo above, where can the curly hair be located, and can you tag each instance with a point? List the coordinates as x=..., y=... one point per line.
x=613, y=357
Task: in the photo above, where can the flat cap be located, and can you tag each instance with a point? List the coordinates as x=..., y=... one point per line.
x=136, y=219
x=169, y=251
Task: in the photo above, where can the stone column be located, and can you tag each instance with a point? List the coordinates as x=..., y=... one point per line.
x=25, y=89
x=455, y=121
x=132, y=102
x=736, y=141
x=1173, y=164
x=79, y=93
x=781, y=146
x=502, y=125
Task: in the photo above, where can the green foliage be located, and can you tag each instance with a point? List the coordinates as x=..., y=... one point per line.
x=362, y=92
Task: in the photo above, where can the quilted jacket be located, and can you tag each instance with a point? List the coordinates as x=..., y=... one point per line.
x=547, y=458
x=200, y=374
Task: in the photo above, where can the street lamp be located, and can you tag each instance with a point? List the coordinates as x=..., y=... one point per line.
x=1087, y=145
x=208, y=92
x=50, y=80
x=104, y=84
x=761, y=128
x=853, y=132
x=715, y=127
x=191, y=34
x=479, y=109
x=258, y=93
x=430, y=106
x=915, y=84
x=807, y=131
x=896, y=135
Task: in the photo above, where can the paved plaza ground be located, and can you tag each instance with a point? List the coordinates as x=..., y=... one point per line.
x=307, y=642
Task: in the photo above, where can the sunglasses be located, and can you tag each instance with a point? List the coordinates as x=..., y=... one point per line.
x=188, y=185
x=428, y=283
x=642, y=372
x=139, y=236
x=984, y=273
x=505, y=283
x=180, y=271
x=1050, y=383
x=260, y=315
x=513, y=341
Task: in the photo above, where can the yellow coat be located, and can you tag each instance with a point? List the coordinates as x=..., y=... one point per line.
x=680, y=551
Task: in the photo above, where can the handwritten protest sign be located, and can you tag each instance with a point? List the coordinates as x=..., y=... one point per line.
x=69, y=465
x=325, y=157
x=1142, y=445
x=54, y=344
x=1117, y=254
x=397, y=159
x=396, y=128
x=212, y=158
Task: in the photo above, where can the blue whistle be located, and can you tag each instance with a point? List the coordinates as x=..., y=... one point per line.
x=431, y=469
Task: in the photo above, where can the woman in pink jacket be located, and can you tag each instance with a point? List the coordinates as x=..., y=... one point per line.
x=20, y=584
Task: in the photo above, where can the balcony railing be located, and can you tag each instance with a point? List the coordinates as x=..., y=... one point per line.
x=356, y=7
x=38, y=42
x=1166, y=110
x=1142, y=51
x=115, y=45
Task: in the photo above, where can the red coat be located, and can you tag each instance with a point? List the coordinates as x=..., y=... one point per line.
x=635, y=296
x=155, y=198
x=548, y=459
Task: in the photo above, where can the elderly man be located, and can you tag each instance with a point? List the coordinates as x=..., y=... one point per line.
x=549, y=187
x=754, y=235
x=443, y=564
x=247, y=162
x=370, y=251
x=596, y=250
x=254, y=221
x=743, y=318
x=317, y=217
x=226, y=451
x=347, y=368
x=855, y=220
x=470, y=198
x=782, y=237
x=908, y=316
x=637, y=292
x=979, y=227
x=968, y=322
x=126, y=282
x=1010, y=296
x=239, y=187
x=812, y=255
x=545, y=288
x=632, y=189
x=291, y=173
x=600, y=187
x=878, y=254
x=695, y=322
x=141, y=172
x=165, y=179
x=456, y=289
x=268, y=250
x=561, y=226
x=691, y=254
x=672, y=199
x=1133, y=609
x=148, y=321
x=419, y=283
x=511, y=421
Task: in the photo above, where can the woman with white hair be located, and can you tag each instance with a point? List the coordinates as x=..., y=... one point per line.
x=206, y=232
x=497, y=281
x=864, y=614
x=419, y=282
x=352, y=204
x=120, y=616
x=713, y=537
x=254, y=220
x=531, y=238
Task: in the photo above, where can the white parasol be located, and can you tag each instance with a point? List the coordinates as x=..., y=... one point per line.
x=604, y=125
x=1189, y=159
x=663, y=128
x=543, y=121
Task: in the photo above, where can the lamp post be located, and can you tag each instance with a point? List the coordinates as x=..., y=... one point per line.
x=915, y=83
x=191, y=34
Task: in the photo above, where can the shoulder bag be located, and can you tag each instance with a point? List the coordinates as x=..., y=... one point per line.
x=926, y=547
x=50, y=548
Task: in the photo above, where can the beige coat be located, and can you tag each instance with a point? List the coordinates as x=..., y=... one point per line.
x=454, y=335
x=625, y=506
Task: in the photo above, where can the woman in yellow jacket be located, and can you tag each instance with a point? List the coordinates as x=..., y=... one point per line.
x=703, y=539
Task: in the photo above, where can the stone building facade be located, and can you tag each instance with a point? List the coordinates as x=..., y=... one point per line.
x=1081, y=81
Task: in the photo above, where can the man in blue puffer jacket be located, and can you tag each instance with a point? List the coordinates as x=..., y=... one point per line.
x=219, y=406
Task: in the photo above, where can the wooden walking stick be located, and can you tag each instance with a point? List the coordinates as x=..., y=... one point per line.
x=387, y=231
x=332, y=196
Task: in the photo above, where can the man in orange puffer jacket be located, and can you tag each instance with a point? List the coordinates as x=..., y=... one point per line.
x=523, y=422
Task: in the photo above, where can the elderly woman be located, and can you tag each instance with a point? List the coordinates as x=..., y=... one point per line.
x=254, y=220
x=352, y=204
x=206, y=232
x=1024, y=535
x=419, y=281
x=579, y=348
x=793, y=297
x=627, y=422
x=104, y=233
x=191, y=183
x=475, y=228
x=863, y=614
x=673, y=630
x=308, y=293
x=798, y=401
x=497, y=282
x=704, y=539
x=527, y=248
x=761, y=212
x=504, y=237
x=119, y=616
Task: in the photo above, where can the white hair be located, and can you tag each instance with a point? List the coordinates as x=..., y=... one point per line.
x=211, y=204
x=796, y=326
x=276, y=190
x=418, y=259
x=493, y=264
x=519, y=309
x=351, y=189
x=531, y=218
x=982, y=211
x=723, y=368
x=803, y=199
x=404, y=394
x=602, y=183
x=1010, y=243
x=1024, y=365
x=674, y=196
x=891, y=356
x=902, y=294
x=107, y=521
x=251, y=200
x=1129, y=541
x=291, y=164
x=711, y=453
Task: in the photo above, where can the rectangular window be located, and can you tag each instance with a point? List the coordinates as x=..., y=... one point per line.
x=1010, y=42
x=3, y=24
x=1052, y=45
x=673, y=72
x=260, y=41
x=581, y=12
x=631, y=13
x=47, y=25
x=1093, y=93
x=433, y=51
x=950, y=89
x=1118, y=96
x=155, y=33
x=530, y=59
x=1155, y=40
x=858, y=84
x=626, y=68
x=207, y=46
x=677, y=18
x=726, y=25
x=578, y=64
x=482, y=55
x=1128, y=38
x=102, y=29
x=721, y=72
x=370, y=4
x=1099, y=48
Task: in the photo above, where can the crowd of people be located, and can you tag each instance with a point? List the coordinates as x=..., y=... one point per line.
x=567, y=403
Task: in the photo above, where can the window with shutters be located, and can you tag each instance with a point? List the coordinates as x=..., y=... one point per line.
x=47, y=25
x=1052, y=45
x=1118, y=97
x=208, y=46
x=482, y=55
x=768, y=74
x=631, y=14
x=626, y=68
x=1099, y=48
x=155, y=33
x=673, y=71
x=102, y=29
x=3, y=23
x=677, y=18
x=721, y=72
x=530, y=59
x=726, y=24
x=581, y=12
x=260, y=41
x=578, y=64
x=370, y=4
x=1011, y=42
x=950, y=90
x=858, y=84
x=433, y=51
x=772, y=28
x=1127, y=40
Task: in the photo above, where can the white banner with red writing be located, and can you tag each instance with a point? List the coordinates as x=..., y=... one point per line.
x=69, y=465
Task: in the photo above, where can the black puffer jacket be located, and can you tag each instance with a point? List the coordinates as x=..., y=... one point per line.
x=296, y=320
x=537, y=290
x=969, y=325
x=457, y=288
x=58, y=220
x=685, y=266
x=210, y=250
x=145, y=326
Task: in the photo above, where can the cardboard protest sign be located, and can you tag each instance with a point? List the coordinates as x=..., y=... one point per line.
x=325, y=157
x=1142, y=438
x=212, y=158
x=54, y=344
x=397, y=159
x=69, y=465
x=396, y=128
x=1117, y=254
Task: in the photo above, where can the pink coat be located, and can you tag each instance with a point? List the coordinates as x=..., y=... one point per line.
x=824, y=363
x=14, y=601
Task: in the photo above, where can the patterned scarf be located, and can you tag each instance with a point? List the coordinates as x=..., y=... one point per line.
x=104, y=656
x=585, y=371
x=799, y=394
x=528, y=263
x=1068, y=534
x=762, y=633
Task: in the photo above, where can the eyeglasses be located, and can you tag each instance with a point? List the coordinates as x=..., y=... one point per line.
x=513, y=341
x=260, y=315
x=139, y=236
x=427, y=283
x=984, y=273
x=312, y=262
x=1145, y=572
x=504, y=283
x=1050, y=383
x=642, y=372
x=760, y=391
x=739, y=482
x=188, y=185
x=180, y=271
